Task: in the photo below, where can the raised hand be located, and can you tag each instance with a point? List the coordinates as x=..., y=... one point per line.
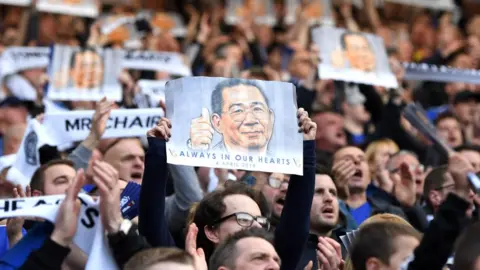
x=15, y=225
x=161, y=130
x=198, y=255
x=205, y=29
x=67, y=215
x=105, y=178
x=201, y=131
x=307, y=126
x=342, y=171
x=100, y=117
x=459, y=167
x=383, y=178
x=405, y=186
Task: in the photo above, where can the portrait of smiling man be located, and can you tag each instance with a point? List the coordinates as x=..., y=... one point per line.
x=358, y=51
x=240, y=114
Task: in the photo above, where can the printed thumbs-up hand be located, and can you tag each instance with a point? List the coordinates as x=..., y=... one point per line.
x=201, y=132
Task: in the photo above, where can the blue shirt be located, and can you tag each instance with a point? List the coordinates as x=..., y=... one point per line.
x=33, y=240
x=4, y=243
x=358, y=139
x=434, y=112
x=361, y=213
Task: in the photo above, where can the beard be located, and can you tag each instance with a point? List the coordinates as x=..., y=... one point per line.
x=322, y=227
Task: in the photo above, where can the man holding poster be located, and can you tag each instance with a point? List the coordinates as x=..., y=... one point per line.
x=242, y=116
x=234, y=124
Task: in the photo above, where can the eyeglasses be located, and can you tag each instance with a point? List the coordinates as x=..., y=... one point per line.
x=246, y=220
x=239, y=113
x=412, y=167
x=275, y=183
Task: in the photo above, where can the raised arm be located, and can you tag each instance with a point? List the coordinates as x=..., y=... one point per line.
x=152, y=221
x=293, y=229
x=187, y=191
x=82, y=154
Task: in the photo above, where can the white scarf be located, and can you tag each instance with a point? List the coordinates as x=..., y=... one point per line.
x=90, y=236
x=15, y=59
x=20, y=87
x=7, y=160
x=28, y=158
x=155, y=90
x=71, y=126
x=173, y=63
x=85, y=8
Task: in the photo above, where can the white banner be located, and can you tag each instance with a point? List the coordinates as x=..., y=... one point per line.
x=353, y=57
x=234, y=124
x=262, y=10
x=173, y=63
x=82, y=8
x=431, y=4
x=90, y=236
x=72, y=126
x=109, y=23
x=426, y=72
x=15, y=59
x=85, y=74
x=15, y=2
x=155, y=90
x=28, y=157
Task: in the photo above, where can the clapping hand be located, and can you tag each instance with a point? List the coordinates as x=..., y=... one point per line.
x=191, y=247
x=67, y=215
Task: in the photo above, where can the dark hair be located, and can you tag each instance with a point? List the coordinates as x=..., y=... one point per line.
x=38, y=178
x=468, y=147
x=445, y=115
x=81, y=51
x=324, y=170
x=377, y=240
x=226, y=252
x=217, y=98
x=344, y=36
x=467, y=248
x=453, y=56
x=434, y=180
x=212, y=207
x=151, y=256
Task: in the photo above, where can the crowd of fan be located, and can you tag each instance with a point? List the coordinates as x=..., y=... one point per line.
x=365, y=167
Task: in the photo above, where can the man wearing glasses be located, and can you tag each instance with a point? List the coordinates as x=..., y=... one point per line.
x=415, y=167
x=241, y=114
x=438, y=184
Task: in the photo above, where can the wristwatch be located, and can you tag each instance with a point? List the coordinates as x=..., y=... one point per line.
x=124, y=230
